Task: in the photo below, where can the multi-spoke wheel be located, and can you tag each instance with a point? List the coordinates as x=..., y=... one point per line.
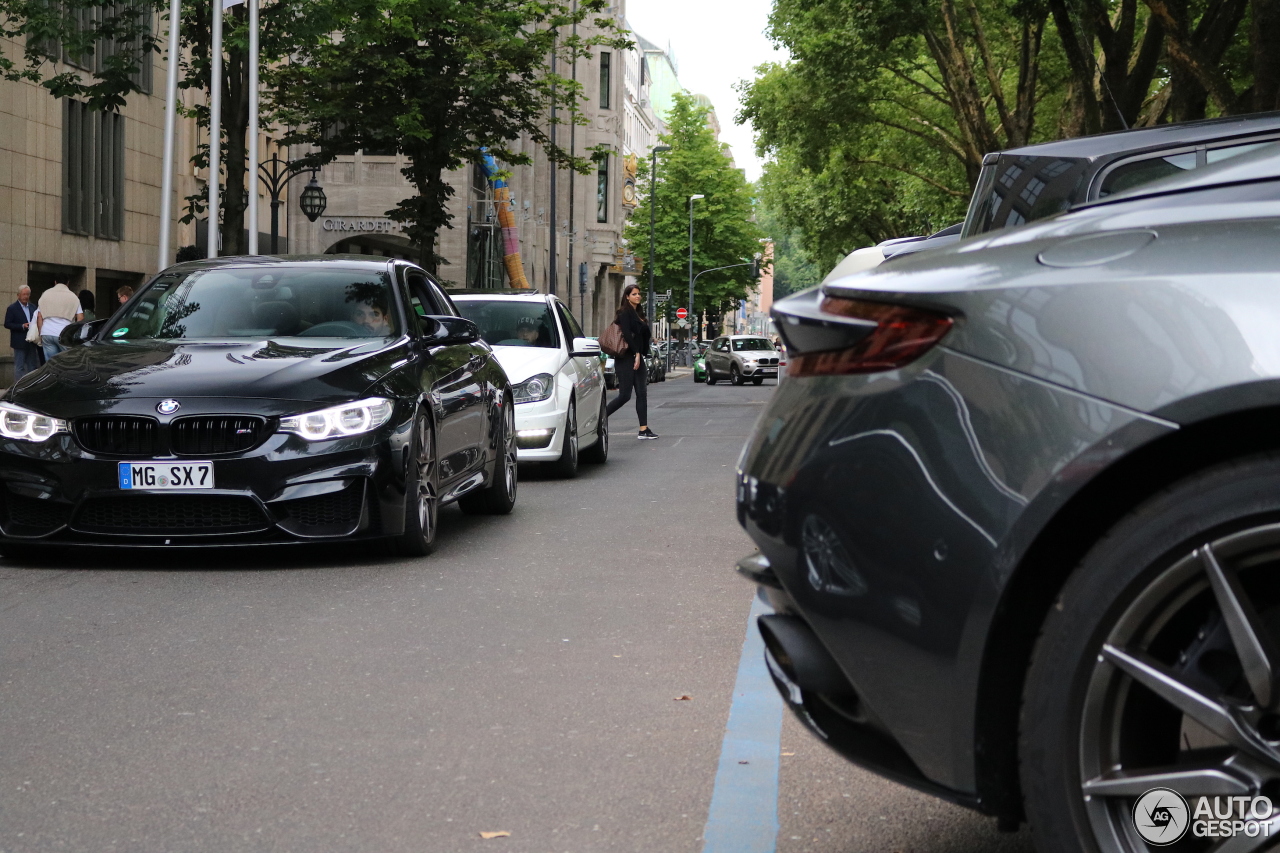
x=1159, y=667
x=598, y=453
x=499, y=497
x=421, y=499
x=567, y=465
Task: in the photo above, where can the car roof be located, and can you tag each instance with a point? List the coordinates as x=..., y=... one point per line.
x=1161, y=136
x=345, y=261
x=501, y=295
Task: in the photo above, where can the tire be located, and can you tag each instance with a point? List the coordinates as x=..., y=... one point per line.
x=421, y=495
x=735, y=375
x=499, y=497
x=757, y=380
x=1142, y=617
x=711, y=379
x=598, y=453
x=567, y=465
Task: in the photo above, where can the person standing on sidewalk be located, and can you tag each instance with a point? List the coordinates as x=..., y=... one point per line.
x=59, y=308
x=18, y=319
x=629, y=366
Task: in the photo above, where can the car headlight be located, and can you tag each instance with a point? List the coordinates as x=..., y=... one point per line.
x=24, y=425
x=534, y=388
x=339, y=421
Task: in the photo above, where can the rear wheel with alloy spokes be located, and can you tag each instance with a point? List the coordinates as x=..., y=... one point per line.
x=499, y=497
x=1159, y=667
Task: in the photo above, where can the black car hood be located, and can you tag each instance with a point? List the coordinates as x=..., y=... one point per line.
x=102, y=375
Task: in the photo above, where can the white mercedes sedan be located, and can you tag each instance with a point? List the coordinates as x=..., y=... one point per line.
x=555, y=375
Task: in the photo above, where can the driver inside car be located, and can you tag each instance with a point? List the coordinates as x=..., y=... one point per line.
x=371, y=315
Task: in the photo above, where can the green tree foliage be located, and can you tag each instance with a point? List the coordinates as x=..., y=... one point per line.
x=102, y=43
x=285, y=26
x=437, y=80
x=877, y=126
x=793, y=271
x=724, y=232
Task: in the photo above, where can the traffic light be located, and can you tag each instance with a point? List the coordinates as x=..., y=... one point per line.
x=755, y=267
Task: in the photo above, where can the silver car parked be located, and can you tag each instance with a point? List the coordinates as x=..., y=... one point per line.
x=739, y=358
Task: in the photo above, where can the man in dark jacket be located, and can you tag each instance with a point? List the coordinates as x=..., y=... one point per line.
x=17, y=319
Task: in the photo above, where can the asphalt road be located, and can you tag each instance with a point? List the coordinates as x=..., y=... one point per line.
x=523, y=679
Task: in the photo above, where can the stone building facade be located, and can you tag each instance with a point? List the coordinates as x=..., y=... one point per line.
x=80, y=190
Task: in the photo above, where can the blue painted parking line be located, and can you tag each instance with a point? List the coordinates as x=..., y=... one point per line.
x=743, y=817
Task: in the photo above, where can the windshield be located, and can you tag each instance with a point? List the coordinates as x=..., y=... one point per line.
x=746, y=344
x=257, y=302
x=511, y=323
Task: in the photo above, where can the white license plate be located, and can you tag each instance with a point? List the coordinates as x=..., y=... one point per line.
x=166, y=475
x=768, y=370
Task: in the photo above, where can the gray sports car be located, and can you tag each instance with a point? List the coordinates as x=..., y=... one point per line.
x=1018, y=510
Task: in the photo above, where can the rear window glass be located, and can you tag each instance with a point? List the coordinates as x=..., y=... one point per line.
x=278, y=301
x=1015, y=190
x=1139, y=172
x=511, y=323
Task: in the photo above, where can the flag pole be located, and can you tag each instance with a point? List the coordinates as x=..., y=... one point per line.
x=170, y=128
x=252, y=181
x=215, y=124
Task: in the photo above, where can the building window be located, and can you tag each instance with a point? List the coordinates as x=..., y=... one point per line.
x=92, y=171
x=606, y=79
x=602, y=188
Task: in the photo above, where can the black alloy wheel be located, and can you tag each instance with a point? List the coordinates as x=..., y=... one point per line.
x=735, y=374
x=422, y=495
x=1159, y=667
x=499, y=497
x=567, y=465
x=598, y=453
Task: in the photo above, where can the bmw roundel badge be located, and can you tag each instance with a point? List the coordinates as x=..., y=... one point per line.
x=168, y=407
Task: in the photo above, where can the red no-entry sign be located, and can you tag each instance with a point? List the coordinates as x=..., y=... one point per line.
x=681, y=313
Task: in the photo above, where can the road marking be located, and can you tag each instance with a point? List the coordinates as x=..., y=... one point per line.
x=743, y=817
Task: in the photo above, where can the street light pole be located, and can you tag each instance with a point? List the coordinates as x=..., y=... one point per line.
x=275, y=174
x=692, y=338
x=653, y=180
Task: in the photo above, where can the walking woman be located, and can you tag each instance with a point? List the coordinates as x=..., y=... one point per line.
x=629, y=367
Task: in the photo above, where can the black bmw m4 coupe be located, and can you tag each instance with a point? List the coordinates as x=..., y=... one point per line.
x=260, y=400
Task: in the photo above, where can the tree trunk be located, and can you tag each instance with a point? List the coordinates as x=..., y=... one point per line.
x=1264, y=39
x=235, y=122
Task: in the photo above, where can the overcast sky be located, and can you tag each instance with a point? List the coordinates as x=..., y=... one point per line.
x=716, y=44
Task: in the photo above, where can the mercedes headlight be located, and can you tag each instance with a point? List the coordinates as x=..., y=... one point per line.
x=534, y=388
x=24, y=425
x=339, y=421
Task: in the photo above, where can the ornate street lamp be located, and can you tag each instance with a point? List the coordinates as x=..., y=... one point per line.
x=313, y=200
x=275, y=174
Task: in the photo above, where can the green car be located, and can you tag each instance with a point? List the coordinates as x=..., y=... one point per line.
x=700, y=369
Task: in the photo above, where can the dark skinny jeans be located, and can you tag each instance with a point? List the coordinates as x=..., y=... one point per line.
x=627, y=374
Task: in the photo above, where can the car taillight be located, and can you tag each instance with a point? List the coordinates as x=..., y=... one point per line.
x=901, y=334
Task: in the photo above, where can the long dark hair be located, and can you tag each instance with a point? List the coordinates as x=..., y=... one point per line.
x=624, y=305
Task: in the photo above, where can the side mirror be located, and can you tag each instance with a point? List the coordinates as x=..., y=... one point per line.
x=449, y=330
x=585, y=348
x=75, y=334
